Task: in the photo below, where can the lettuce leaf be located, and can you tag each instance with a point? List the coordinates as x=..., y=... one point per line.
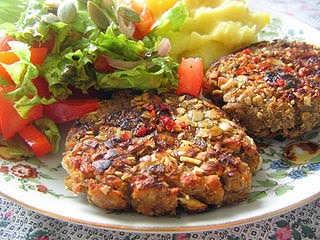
x=119, y=46
x=69, y=68
x=158, y=74
x=14, y=149
x=171, y=20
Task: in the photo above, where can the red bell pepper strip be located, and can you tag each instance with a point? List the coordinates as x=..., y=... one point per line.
x=10, y=120
x=36, y=140
x=7, y=58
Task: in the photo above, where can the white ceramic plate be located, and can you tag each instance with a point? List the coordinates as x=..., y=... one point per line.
x=277, y=188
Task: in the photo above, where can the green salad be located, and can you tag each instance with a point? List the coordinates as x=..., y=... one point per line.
x=79, y=40
x=77, y=46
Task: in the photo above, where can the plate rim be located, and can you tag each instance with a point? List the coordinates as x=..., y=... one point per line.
x=175, y=229
x=127, y=228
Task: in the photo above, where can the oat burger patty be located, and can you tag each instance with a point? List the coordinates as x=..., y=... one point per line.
x=272, y=88
x=153, y=153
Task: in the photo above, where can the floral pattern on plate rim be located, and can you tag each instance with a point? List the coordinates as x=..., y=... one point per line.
x=30, y=175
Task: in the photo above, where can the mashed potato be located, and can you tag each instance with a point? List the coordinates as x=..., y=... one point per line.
x=215, y=28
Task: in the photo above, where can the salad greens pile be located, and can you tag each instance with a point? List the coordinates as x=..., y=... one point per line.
x=78, y=42
x=80, y=33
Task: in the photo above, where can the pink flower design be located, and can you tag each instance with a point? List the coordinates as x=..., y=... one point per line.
x=284, y=233
x=41, y=188
x=4, y=169
x=24, y=171
x=8, y=214
x=43, y=238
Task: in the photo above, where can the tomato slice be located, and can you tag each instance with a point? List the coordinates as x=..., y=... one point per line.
x=49, y=44
x=4, y=46
x=190, y=73
x=38, y=55
x=69, y=110
x=101, y=64
x=10, y=120
x=42, y=87
x=147, y=18
x=36, y=140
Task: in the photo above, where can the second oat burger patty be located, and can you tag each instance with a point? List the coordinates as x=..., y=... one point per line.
x=152, y=153
x=272, y=88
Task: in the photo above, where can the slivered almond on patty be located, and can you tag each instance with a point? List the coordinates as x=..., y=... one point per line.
x=153, y=153
x=272, y=88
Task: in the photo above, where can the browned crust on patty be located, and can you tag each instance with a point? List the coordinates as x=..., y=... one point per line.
x=152, y=153
x=272, y=88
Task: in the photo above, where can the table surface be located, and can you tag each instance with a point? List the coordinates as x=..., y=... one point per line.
x=17, y=222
